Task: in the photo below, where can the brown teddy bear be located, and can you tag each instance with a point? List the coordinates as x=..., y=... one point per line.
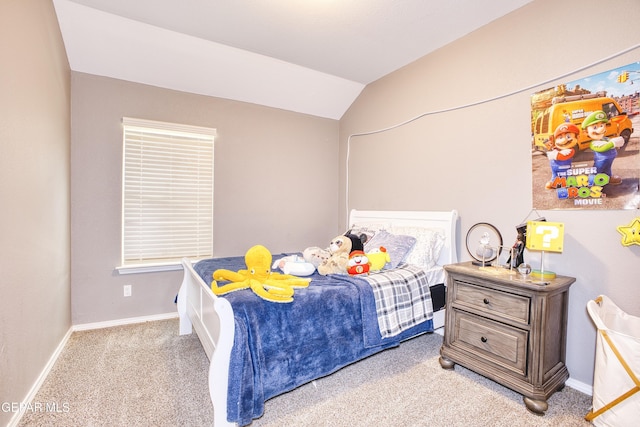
x=339, y=250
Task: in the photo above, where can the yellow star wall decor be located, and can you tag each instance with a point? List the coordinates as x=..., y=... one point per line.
x=630, y=233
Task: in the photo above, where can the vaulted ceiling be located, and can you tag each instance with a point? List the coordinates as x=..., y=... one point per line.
x=308, y=56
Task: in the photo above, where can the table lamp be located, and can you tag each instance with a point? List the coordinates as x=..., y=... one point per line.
x=544, y=236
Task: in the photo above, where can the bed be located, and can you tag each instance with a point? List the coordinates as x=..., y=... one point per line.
x=260, y=349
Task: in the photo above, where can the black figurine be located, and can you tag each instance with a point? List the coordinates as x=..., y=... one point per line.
x=517, y=250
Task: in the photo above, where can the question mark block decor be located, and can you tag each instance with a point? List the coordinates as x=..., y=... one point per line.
x=545, y=236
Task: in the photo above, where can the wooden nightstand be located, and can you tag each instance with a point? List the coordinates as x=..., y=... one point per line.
x=508, y=329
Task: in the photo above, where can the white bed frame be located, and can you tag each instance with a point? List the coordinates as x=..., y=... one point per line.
x=212, y=316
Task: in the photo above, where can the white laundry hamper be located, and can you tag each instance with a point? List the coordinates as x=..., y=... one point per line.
x=616, y=383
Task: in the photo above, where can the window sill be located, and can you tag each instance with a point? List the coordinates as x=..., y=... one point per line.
x=155, y=268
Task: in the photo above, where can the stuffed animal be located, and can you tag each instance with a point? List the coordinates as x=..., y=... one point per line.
x=258, y=277
x=358, y=263
x=378, y=258
x=357, y=242
x=294, y=265
x=315, y=255
x=339, y=249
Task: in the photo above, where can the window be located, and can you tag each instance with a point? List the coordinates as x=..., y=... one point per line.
x=167, y=193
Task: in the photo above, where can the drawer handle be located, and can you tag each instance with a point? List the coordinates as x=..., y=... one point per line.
x=483, y=339
x=486, y=300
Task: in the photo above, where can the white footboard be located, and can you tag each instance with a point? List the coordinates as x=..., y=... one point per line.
x=212, y=318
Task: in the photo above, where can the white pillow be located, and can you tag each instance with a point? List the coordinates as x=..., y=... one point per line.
x=429, y=244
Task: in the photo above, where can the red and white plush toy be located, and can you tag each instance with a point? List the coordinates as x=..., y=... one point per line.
x=358, y=263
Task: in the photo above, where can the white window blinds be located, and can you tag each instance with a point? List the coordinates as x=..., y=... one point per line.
x=167, y=206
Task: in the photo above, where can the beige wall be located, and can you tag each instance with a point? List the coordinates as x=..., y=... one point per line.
x=35, y=309
x=276, y=184
x=477, y=160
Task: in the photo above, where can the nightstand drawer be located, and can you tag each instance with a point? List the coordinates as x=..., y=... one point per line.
x=493, y=341
x=491, y=301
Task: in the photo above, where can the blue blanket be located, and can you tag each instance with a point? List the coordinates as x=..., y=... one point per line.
x=278, y=347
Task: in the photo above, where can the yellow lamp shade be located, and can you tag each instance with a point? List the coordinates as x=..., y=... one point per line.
x=545, y=236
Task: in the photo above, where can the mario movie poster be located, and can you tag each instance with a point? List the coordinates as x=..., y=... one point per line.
x=586, y=137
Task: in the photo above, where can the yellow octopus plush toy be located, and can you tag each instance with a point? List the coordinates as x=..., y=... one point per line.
x=259, y=278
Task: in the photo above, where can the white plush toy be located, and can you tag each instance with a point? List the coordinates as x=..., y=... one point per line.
x=316, y=255
x=294, y=265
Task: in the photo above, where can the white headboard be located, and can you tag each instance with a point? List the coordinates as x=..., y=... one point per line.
x=445, y=220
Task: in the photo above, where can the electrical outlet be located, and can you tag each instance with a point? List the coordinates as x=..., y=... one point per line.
x=127, y=290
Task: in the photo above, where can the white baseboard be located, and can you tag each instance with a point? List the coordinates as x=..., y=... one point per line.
x=580, y=386
x=127, y=321
x=17, y=416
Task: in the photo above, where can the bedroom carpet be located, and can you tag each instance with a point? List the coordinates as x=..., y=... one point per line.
x=147, y=375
